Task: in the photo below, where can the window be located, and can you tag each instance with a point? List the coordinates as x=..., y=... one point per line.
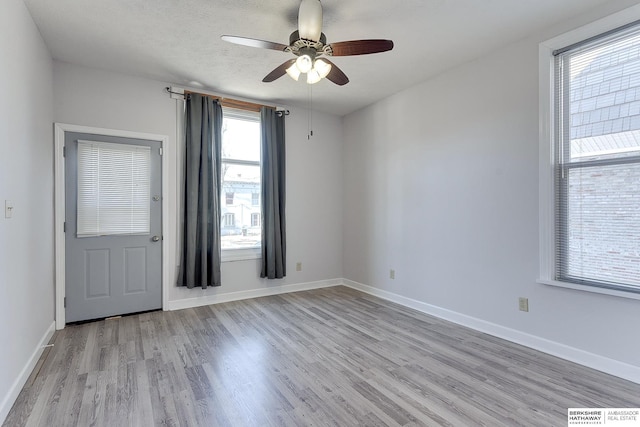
x=255, y=220
x=229, y=220
x=241, y=185
x=596, y=164
x=113, y=189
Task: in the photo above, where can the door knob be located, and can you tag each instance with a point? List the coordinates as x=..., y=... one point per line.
x=155, y=238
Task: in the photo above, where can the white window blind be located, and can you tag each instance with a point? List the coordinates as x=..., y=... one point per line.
x=113, y=189
x=597, y=152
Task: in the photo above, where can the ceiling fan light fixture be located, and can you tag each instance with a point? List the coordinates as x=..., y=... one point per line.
x=322, y=67
x=293, y=72
x=310, y=20
x=313, y=77
x=304, y=63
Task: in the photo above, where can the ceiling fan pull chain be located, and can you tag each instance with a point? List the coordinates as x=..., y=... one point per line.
x=310, y=113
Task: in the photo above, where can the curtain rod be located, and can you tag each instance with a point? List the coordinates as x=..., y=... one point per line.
x=228, y=102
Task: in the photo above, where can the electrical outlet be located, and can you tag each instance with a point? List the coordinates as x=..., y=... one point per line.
x=392, y=274
x=523, y=304
x=8, y=208
x=298, y=266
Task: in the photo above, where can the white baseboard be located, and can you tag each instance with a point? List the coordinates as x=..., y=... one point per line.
x=254, y=293
x=22, y=378
x=590, y=360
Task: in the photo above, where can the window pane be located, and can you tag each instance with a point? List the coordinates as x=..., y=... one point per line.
x=243, y=231
x=603, y=224
x=604, y=100
x=240, y=139
x=241, y=209
x=113, y=189
x=229, y=220
x=598, y=173
x=255, y=219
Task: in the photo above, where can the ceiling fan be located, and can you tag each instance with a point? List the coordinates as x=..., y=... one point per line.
x=310, y=46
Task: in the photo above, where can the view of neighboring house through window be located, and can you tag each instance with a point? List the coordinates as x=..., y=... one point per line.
x=255, y=220
x=241, y=225
x=597, y=152
x=228, y=220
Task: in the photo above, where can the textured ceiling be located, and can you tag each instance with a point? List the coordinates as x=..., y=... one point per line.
x=178, y=41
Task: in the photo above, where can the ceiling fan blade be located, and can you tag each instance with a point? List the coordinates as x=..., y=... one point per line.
x=245, y=41
x=280, y=71
x=336, y=75
x=360, y=47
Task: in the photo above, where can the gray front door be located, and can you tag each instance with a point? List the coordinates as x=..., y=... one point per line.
x=113, y=226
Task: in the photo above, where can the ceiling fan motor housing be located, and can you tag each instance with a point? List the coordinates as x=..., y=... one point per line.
x=300, y=46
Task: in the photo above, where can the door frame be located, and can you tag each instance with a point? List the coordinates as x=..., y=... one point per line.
x=59, y=207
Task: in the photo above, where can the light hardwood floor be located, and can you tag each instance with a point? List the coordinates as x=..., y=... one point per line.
x=333, y=357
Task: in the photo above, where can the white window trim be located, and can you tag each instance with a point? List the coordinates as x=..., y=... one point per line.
x=546, y=153
x=230, y=255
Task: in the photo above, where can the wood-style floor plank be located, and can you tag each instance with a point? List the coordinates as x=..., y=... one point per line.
x=329, y=357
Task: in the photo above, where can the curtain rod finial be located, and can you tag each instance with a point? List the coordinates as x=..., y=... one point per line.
x=175, y=94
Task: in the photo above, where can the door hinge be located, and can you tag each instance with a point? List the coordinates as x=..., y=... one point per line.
x=160, y=151
x=64, y=227
x=64, y=151
x=65, y=302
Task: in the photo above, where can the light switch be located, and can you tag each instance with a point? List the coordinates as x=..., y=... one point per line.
x=8, y=208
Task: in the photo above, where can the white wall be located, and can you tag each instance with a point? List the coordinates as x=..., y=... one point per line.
x=441, y=184
x=90, y=97
x=26, y=178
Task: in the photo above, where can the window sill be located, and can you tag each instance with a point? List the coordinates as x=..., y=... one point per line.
x=592, y=289
x=231, y=255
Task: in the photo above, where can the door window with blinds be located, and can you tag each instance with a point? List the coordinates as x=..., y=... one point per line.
x=597, y=161
x=113, y=189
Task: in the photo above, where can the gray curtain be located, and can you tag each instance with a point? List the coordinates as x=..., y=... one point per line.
x=200, y=266
x=273, y=195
